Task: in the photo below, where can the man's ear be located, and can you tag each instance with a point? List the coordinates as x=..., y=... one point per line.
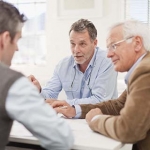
x=0, y=41
x=95, y=42
x=138, y=43
x=4, y=39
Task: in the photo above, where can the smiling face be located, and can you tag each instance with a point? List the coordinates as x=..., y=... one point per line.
x=126, y=53
x=82, y=47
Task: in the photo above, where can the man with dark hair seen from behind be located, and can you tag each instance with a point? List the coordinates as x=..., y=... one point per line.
x=19, y=99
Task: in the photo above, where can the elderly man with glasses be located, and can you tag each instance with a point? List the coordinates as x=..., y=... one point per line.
x=127, y=118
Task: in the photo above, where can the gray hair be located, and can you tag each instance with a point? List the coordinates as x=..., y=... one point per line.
x=82, y=25
x=10, y=19
x=136, y=28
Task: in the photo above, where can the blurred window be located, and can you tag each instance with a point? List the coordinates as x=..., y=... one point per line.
x=138, y=9
x=32, y=45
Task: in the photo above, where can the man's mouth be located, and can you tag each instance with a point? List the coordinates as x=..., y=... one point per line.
x=78, y=56
x=115, y=61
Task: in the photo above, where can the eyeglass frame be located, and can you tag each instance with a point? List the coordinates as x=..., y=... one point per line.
x=113, y=46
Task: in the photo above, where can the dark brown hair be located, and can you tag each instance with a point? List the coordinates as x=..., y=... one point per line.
x=84, y=24
x=10, y=18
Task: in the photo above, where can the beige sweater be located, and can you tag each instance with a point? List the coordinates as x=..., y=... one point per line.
x=127, y=119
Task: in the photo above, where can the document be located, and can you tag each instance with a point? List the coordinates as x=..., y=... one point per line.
x=18, y=130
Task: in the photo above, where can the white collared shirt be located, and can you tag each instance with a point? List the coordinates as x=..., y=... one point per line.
x=25, y=105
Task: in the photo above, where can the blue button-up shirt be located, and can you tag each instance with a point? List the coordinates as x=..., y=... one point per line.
x=97, y=83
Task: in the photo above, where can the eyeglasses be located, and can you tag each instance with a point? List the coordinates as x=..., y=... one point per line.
x=113, y=46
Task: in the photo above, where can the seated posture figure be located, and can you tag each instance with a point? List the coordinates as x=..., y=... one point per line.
x=87, y=76
x=19, y=99
x=127, y=118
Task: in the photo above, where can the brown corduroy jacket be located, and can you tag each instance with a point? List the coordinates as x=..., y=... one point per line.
x=127, y=119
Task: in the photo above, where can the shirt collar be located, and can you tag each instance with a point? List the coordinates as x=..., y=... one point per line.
x=132, y=68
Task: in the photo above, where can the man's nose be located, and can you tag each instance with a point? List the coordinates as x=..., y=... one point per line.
x=110, y=54
x=76, y=49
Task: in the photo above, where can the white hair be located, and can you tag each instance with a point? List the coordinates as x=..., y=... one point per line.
x=136, y=28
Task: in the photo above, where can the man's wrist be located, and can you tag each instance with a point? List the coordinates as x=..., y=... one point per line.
x=95, y=117
x=77, y=110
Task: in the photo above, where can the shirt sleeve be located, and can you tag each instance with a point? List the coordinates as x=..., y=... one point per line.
x=53, y=87
x=25, y=105
x=95, y=117
x=78, y=111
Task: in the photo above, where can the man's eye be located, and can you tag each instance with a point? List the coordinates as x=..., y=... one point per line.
x=114, y=46
x=82, y=44
x=72, y=44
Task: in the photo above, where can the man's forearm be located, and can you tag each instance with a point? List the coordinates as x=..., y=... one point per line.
x=111, y=107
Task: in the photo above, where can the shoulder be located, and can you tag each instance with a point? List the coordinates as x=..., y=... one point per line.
x=145, y=62
x=23, y=84
x=143, y=68
x=5, y=69
x=26, y=90
x=8, y=75
x=144, y=65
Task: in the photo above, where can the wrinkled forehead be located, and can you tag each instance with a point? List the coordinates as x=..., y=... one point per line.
x=115, y=34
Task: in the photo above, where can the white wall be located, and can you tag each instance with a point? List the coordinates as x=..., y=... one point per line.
x=57, y=28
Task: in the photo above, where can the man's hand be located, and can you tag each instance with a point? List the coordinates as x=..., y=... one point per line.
x=50, y=100
x=92, y=113
x=64, y=108
x=35, y=82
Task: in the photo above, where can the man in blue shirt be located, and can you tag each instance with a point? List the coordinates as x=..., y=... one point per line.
x=87, y=76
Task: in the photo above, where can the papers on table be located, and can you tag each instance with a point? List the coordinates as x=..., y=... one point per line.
x=18, y=130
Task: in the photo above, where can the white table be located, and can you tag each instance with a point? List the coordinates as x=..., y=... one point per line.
x=85, y=138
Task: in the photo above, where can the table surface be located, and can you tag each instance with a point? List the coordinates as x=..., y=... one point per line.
x=85, y=138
